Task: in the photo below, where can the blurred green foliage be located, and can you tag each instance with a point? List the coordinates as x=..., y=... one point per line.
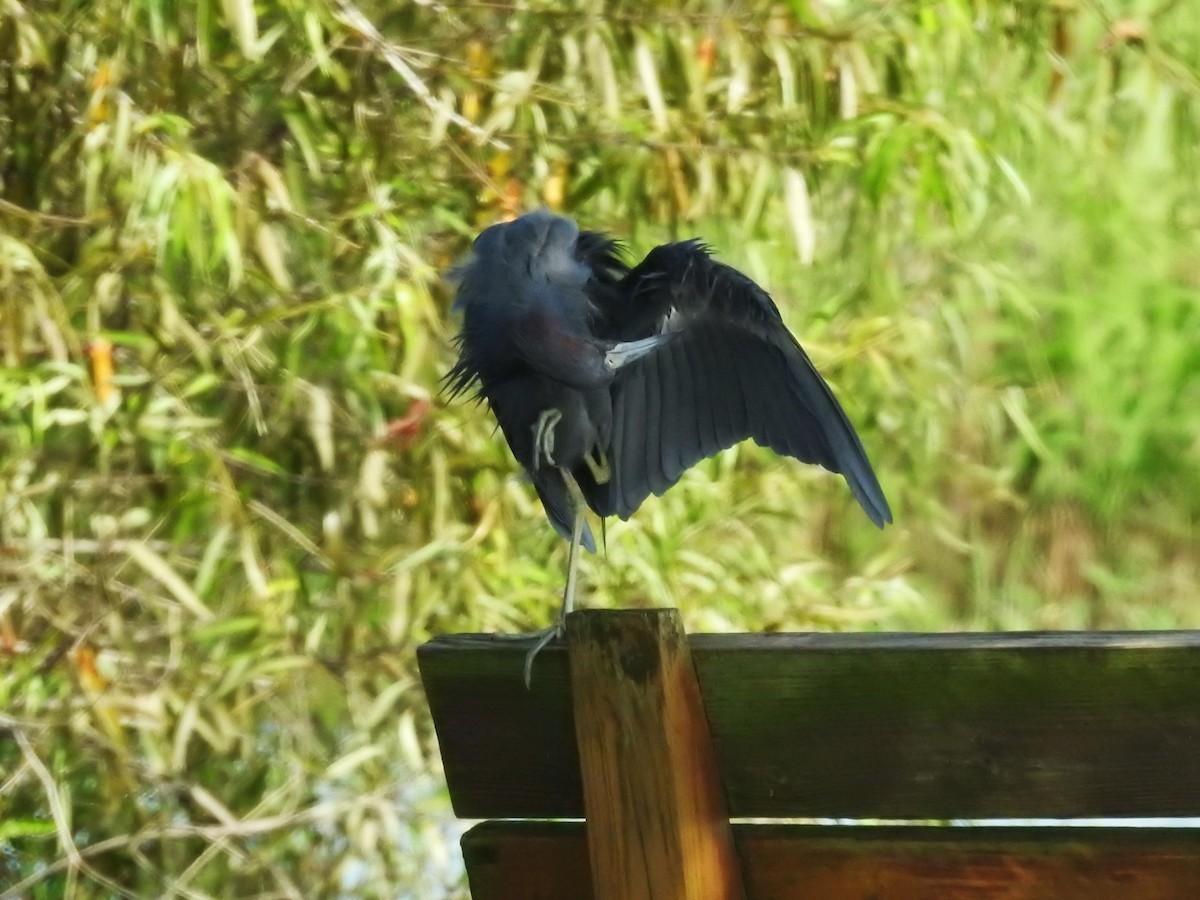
x=232, y=503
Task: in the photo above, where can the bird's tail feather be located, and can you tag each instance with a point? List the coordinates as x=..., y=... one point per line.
x=556, y=498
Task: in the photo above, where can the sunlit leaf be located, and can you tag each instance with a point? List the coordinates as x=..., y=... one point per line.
x=159, y=569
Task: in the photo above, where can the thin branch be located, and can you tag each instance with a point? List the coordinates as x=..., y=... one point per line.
x=74, y=860
x=212, y=833
x=47, y=218
x=353, y=17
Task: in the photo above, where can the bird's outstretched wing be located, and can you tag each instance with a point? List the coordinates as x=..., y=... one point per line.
x=733, y=372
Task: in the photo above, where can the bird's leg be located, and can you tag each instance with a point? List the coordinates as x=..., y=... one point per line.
x=568, y=603
x=543, y=437
x=598, y=465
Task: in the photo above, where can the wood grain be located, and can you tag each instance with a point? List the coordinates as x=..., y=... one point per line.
x=657, y=821
x=865, y=726
x=549, y=861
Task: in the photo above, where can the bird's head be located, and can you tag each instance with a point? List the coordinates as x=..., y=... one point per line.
x=526, y=254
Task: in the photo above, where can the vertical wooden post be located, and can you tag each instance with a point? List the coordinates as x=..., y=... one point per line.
x=657, y=823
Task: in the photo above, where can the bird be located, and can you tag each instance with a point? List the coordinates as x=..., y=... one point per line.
x=610, y=380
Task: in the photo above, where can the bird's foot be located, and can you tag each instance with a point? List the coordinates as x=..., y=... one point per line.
x=598, y=465
x=543, y=437
x=544, y=637
x=540, y=638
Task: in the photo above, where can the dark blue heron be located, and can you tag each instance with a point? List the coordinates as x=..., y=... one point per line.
x=609, y=382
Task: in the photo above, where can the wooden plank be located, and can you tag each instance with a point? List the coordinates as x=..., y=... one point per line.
x=549, y=860
x=862, y=726
x=484, y=715
x=528, y=860
x=656, y=815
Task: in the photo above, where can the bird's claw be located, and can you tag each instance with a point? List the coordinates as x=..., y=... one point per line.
x=544, y=637
x=543, y=437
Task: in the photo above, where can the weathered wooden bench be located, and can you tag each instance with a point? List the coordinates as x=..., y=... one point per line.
x=657, y=740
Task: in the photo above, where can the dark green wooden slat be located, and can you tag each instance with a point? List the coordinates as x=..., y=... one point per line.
x=876, y=726
x=507, y=751
x=549, y=861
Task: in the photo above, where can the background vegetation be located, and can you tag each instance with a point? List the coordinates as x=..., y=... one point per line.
x=232, y=502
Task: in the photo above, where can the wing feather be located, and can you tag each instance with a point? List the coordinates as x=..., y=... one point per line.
x=730, y=396
x=734, y=372
x=677, y=400
x=841, y=442
x=629, y=461
x=803, y=435
x=652, y=433
x=691, y=383
x=707, y=413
